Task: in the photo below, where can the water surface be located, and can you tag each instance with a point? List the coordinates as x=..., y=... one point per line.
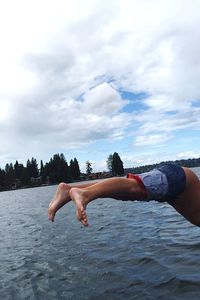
x=132, y=250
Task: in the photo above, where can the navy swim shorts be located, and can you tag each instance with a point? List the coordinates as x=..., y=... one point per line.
x=164, y=183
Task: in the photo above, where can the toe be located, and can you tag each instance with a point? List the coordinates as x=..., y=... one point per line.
x=84, y=222
x=51, y=214
x=51, y=217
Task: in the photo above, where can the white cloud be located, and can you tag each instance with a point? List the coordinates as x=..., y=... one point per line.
x=103, y=99
x=188, y=154
x=152, y=139
x=62, y=69
x=68, y=123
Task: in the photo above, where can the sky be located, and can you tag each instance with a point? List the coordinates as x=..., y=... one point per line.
x=90, y=78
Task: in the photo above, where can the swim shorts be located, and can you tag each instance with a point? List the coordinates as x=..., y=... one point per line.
x=164, y=183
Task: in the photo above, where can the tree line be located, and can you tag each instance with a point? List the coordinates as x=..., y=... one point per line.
x=56, y=170
x=189, y=163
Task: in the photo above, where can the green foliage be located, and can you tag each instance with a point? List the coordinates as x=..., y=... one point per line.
x=74, y=169
x=88, y=167
x=110, y=163
x=57, y=169
x=117, y=165
x=77, y=169
x=10, y=173
x=2, y=179
x=54, y=171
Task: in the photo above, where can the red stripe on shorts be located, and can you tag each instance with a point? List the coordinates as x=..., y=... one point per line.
x=139, y=181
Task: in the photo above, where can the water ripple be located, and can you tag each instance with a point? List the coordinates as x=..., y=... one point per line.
x=130, y=251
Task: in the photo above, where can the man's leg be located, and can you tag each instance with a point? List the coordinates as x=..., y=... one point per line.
x=116, y=188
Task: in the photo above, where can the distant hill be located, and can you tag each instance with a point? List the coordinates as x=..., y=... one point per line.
x=189, y=163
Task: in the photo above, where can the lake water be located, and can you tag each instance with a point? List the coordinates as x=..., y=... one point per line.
x=132, y=250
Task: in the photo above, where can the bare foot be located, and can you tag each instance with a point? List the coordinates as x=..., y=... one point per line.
x=80, y=200
x=61, y=198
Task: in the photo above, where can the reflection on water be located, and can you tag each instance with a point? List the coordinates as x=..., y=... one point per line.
x=130, y=251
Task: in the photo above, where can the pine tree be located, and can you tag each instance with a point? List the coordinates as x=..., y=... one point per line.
x=25, y=176
x=41, y=167
x=117, y=165
x=77, y=172
x=16, y=169
x=57, y=169
x=34, y=168
x=42, y=172
x=64, y=169
x=2, y=179
x=110, y=162
x=72, y=169
x=9, y=174
x=88, y=167
x=19, y=171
